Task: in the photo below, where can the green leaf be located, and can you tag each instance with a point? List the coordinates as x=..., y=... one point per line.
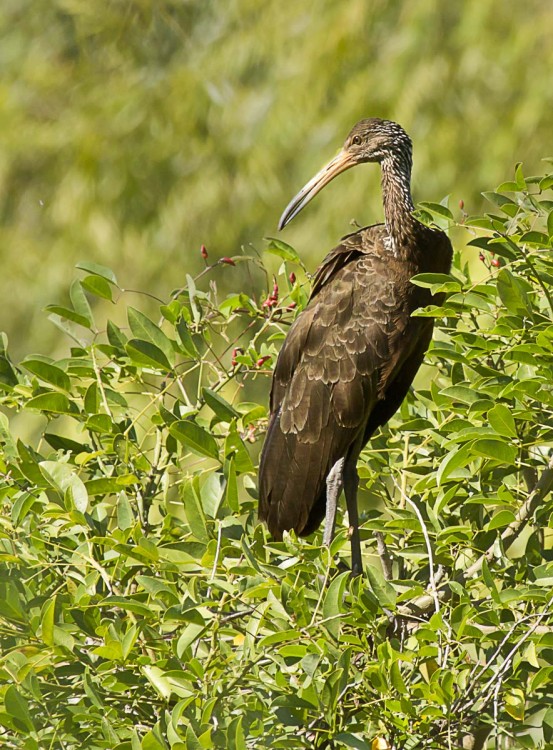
x=18, y=708
x=48, y=372
x=146, y=354
x=501, y=519
x=283, y=250
x=461, y=393
x=143, y=328
x=550, y=224
x=499, y=450
x=396, y=678
x=212, y=494
x=519, y=177
x=80, y=302
x=116, y=337
x=98, y=270
x=219, y=406
x=159, y=682
x=333, y=604
x=194, y=511
x=455, y=459
x=189, y=635
x=511, y=293
x=231, y=489
x=351, y=740
x=68, y=314
x=125, y=516
x=57, y=403
x=47, y=621
x=497, y=199
x=535, y=238
x=515, y=703
x=98, y=286
x=437, y=208
x=186, y=340
x=65, y=479
x=234, y=448
x=382, y=589
x=502, y=421
x=126, y=603
x=442, y=281
x=192, y=741
x=195, y=437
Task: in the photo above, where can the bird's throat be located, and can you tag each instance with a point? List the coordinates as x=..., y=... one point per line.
x=398, y=204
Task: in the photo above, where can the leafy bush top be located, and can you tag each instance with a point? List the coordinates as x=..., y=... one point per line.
x=143, y=606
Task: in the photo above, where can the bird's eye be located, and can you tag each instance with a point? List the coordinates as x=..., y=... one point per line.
x=356, y=140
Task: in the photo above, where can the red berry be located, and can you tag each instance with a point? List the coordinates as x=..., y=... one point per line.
x=228, y=261
x=292, y=278
x=496, y=262
x=481, y=257
x=261, y=361
x=292, y=306
x=461, y=204
x=203, y=251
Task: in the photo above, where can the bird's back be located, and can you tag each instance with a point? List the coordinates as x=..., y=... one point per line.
x=345, y=366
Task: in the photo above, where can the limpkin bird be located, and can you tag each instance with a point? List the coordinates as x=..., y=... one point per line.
x=351, y=355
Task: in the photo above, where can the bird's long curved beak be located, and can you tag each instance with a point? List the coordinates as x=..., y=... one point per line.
x=344, y=160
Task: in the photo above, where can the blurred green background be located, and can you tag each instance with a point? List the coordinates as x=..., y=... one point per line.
x=132, y=132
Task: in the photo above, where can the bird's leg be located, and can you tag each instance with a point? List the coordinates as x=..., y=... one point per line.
x=334, y=482
x=351, y=483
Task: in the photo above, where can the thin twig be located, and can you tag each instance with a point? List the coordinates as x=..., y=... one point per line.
x=432, y=586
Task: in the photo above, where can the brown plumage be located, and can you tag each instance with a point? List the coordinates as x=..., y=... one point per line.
x=351, y=355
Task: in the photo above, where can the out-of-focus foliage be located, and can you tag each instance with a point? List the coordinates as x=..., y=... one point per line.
x=132, y=132
x=142, y=607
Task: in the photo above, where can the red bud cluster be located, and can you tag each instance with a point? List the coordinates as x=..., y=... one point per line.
x=272, y=299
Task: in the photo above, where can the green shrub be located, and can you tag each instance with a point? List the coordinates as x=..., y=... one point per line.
x=143, y=606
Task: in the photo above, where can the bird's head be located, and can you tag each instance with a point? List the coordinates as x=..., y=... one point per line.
x=372, y=140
